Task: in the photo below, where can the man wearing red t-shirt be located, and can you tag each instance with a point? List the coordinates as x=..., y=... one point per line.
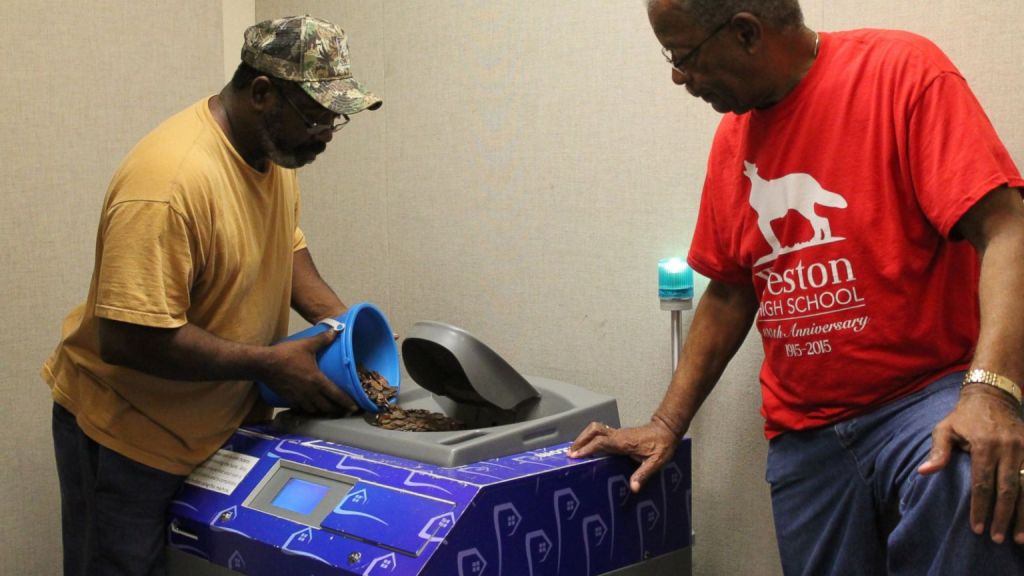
x=861, y=212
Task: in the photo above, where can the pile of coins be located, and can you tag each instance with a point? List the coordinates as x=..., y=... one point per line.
x=416, y=421
x=380, y=392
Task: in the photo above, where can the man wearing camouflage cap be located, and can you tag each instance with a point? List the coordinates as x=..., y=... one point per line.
x=198, y=258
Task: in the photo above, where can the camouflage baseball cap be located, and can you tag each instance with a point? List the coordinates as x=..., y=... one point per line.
x=312, y=53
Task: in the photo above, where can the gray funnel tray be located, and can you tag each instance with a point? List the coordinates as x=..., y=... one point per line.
x=451, y=362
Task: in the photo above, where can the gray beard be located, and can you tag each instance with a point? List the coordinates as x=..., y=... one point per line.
x=270, y=132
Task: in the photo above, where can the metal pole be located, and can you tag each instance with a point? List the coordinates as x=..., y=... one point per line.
x=677, y=338
x=676, y=307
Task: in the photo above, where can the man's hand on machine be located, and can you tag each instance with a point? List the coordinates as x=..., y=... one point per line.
x=652, y=445
x=295, y=376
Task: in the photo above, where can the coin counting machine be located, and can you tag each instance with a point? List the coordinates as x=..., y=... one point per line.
x=319, y=496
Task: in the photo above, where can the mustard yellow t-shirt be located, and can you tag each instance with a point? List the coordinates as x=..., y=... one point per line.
x=189, y=233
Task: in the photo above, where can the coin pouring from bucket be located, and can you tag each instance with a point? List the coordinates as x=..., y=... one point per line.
x=394, y=418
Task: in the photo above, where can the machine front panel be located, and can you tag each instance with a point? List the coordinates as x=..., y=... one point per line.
x=533, y=513
x=583, y=521
x=243, y=529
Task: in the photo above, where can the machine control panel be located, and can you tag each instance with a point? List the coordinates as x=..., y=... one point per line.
x=383, y=516
x=299, y=493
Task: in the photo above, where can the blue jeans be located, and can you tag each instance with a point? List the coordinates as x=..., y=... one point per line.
x=113, y=509
x=847, y=498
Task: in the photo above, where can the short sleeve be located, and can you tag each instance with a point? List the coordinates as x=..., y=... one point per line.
x=956, y=157
x=300, y=240
x=146, y=265
x=707, y=256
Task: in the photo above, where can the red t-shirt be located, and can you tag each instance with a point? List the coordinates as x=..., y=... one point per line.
x=838, y=204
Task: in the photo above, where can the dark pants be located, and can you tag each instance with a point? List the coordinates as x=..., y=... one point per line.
x=113, y=509
x=848, y=500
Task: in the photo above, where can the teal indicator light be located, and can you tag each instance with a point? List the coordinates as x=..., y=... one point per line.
x=675, y=279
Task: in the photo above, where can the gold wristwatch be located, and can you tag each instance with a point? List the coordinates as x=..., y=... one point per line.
x=978, y=376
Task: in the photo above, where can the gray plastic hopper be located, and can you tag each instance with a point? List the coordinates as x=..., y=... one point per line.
x=450, y=362
x=456, y=374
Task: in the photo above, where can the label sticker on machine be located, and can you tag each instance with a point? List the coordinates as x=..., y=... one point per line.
x=222, y=472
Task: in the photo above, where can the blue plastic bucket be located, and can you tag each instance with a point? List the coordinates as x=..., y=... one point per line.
x=366, y=339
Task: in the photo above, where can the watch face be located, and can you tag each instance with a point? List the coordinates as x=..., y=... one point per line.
x=981, y=376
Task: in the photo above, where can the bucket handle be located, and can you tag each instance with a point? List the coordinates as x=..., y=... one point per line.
x=333, y=324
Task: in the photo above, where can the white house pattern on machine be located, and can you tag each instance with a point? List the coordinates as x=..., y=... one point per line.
x=772, y=199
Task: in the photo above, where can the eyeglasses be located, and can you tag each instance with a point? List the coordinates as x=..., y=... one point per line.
x=313, y=128
x=680, y=64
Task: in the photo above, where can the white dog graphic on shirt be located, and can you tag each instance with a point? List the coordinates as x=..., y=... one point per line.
x=772, y=199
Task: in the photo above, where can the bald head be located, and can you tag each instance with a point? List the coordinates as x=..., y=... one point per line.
x=737, y=55
x=781, y=15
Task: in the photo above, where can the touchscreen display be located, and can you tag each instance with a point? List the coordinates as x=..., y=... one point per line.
x=300, y=496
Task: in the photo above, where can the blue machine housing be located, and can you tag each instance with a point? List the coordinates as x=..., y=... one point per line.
x=527, y=514
x=316, y=496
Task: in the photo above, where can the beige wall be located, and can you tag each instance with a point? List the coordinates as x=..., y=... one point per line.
x=530, y=165
x=82, y=82
x=237, y=16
